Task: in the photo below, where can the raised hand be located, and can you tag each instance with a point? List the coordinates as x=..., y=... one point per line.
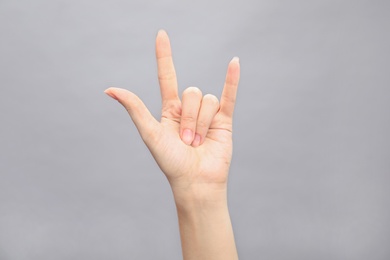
x=192, y=143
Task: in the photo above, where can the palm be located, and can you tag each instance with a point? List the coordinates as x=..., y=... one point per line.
x=207, y=163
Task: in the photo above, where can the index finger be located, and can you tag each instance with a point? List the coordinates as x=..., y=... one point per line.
x=229, y=93
x=165, y=68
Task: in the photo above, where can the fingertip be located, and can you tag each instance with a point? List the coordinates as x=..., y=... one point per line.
x=234, y=67
x=162, y=36
x=163, y=45
x=110, y=93
x=197, y=140
x=119, y=94
x=235, y=59
x=233, y=70
x=235, y=64
x=187, y=136
x=161, y=32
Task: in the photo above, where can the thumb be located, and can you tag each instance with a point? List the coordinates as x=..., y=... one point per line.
x=146, y=124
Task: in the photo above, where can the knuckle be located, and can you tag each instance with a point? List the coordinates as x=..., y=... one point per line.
x=168, y=75
x=202, y=125
x=230, y=100
x=188, y=119
x=151, y=137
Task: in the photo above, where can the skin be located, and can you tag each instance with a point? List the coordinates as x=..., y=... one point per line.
x=192, y=144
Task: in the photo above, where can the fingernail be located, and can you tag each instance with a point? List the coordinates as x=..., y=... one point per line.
x=161, y=31
x=187, y=136
x=196, y=141
x=236, y=59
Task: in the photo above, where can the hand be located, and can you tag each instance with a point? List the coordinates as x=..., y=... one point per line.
x=192, y=144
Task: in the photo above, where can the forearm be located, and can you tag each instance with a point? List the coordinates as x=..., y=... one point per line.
x=205, y=227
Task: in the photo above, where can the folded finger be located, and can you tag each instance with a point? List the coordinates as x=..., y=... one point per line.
x=207, y=112
x=191, y=102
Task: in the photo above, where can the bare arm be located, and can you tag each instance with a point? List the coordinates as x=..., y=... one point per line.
x=192, y=144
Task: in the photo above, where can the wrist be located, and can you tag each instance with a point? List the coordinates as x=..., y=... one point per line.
x=200, y=195
x=205, y=226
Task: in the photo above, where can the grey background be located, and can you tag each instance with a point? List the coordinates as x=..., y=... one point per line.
x=310, y=173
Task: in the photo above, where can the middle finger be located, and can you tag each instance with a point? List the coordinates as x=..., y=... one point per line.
x=191, y=102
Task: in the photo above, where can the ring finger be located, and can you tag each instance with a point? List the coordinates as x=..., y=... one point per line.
x=208, y=110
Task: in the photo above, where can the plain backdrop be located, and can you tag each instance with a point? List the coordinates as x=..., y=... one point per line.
x=311, y=165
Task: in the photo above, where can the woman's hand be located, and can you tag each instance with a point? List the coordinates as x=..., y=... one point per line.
x=192, y=144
